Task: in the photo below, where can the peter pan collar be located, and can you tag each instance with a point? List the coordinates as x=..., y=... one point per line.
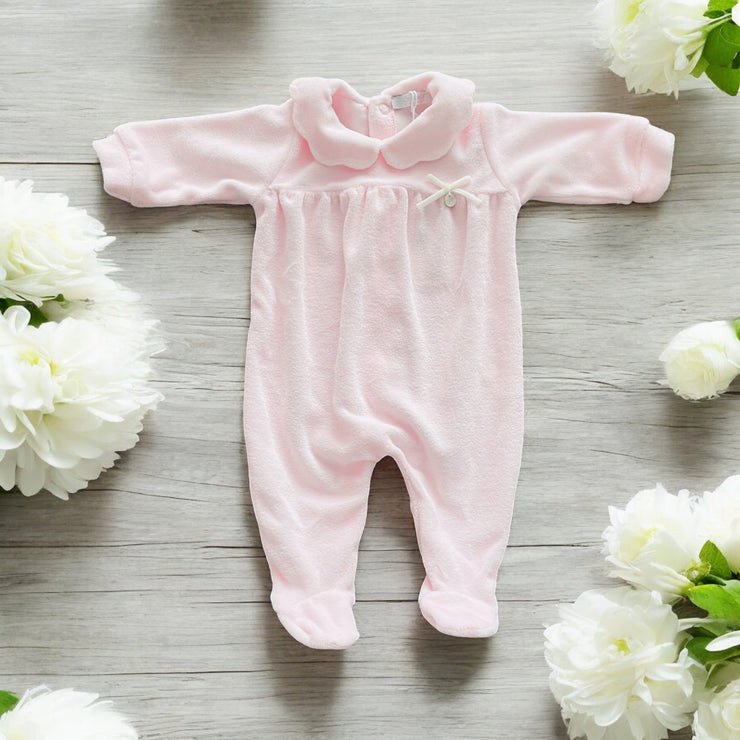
x=428, y=137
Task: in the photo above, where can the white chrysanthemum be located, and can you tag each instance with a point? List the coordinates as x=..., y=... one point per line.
x=702, y=361
x=719, y=718
x=115, y=308
x=47, y=247
x=653, y=541
x=43, y=714
x=616, y=668
x=720, y=519
x=653, y=44
x=72, y=395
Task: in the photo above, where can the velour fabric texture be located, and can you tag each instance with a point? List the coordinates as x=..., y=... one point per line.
x=384, y=321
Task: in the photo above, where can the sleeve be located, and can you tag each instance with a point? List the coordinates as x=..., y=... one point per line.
x=578, y=157
x=219, y=158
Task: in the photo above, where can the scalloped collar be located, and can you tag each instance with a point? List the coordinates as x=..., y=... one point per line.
x=428, y=137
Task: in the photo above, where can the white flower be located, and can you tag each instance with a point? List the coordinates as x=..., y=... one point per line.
x=720, y=519
x=653, y=541
x=719, y=718
x=47, y=247
x=616, y=668
x=115, y=308
x=43, y=714
x=72, y=395
x=702, y=361
x=736, y=15
x=653, y=44
x=724, y=642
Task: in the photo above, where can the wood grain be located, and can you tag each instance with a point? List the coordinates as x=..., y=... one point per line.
x=151, y=587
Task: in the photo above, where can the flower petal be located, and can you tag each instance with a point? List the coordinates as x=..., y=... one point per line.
x=724, y=642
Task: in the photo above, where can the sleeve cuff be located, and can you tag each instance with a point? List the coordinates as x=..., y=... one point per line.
x=656, y=158
x=116, y=166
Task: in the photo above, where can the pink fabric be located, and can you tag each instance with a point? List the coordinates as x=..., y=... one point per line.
x=378, y=327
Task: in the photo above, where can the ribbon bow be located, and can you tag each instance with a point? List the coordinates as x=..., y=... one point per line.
x=448, y=190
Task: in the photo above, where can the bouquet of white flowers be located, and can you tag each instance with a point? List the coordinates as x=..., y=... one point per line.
x=662, y=652
x=74, y=347
x=665, y=45
x=43, y=714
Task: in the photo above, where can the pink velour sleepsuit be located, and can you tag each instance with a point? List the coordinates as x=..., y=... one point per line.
x=385, y=315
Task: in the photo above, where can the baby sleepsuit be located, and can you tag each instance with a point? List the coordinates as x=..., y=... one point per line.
x=385, y=314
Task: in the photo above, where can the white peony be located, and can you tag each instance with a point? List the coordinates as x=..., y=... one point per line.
x=702, y=361
x=72, y=395
x=616, y=668
x=47, y=247
x=42, y=714
x=653, y=541
x=720, y=519
x=653, y=44
x=719, y=718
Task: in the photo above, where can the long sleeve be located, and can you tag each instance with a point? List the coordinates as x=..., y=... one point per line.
x=578, y=157
x=219, y=158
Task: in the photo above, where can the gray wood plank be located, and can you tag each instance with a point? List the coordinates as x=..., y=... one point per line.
x=239, y=573
x=381, y=686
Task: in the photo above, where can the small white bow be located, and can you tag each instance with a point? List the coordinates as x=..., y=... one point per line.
x=448, y=190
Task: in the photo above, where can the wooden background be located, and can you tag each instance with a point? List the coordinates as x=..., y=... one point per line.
x=151, y=587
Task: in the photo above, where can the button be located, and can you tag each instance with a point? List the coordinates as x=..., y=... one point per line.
x=384, y=108
x=450, y=199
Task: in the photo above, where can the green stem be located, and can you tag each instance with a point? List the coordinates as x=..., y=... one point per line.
x=736, y=326
x=718, y=21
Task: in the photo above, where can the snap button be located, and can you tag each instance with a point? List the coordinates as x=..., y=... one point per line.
x=450, y=199
x=384, y=108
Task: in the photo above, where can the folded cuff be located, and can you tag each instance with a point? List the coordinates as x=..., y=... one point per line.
x=656, y=158
x=116, y=166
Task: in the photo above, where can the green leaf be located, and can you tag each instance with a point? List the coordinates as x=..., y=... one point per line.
x=717, y=8
x=7, y=701
x=700, y=67
x=727, y=80
x=730, y=33
x=708, y=628
x=733, y=587
x=720, y=602
x=722, y=45
x=697, y=649
x=736, y=324
x=712, y=556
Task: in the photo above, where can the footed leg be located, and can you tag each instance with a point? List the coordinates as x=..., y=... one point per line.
x=323, y=621
x=311, y=534
x=310, y=500
x=462, y=497
x=458, y=614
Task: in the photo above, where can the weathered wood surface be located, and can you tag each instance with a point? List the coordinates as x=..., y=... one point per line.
x=151, y=587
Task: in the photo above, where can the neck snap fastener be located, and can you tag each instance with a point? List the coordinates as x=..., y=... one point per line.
x=384, y=108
